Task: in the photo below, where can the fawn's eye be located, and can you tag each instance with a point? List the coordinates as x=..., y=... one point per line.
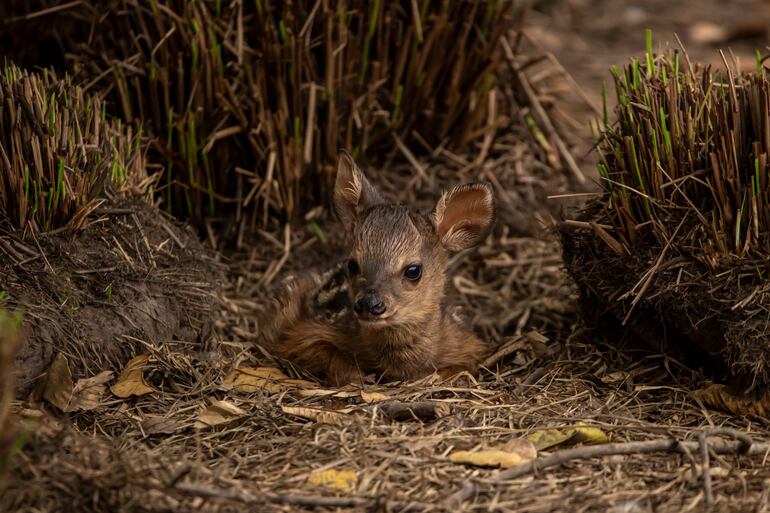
x=413, y=272
x=352, y=267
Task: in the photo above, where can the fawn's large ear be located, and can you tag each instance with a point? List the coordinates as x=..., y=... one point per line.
x=353, y=193
x=464, y=216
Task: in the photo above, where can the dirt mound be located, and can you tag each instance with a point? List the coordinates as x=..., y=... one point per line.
x=131, y=278
x=671, y=301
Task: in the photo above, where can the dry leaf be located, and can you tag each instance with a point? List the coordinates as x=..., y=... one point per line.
x=722, y=397
x=68, y=397
x=88, y=392
x=219, y=412
x=131, y=380
x=318, y=415
x=547, y=438
x=158, y=424
x=513, y=452
x=521, y=446
x=58, y=383
x=373, y=397
x=316, y=392
x=268, y=379
x=489, y=458
x=339, y=480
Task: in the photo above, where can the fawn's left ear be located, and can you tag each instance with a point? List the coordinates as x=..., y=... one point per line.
x=464, y=216
x=353, y=193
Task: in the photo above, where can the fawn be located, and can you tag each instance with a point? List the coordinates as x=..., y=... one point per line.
x=383, y=309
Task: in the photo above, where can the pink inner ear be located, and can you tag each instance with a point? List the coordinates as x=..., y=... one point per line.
x=466, y=208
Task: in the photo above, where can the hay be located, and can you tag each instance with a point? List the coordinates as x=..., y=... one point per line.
x=684, y=212
x=146, y=456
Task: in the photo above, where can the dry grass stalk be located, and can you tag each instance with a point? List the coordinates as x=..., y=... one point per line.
x=248, y=102
x=59, y=154
x=690, y=141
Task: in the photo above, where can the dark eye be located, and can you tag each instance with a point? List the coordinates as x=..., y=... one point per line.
x=413, y=272
x=352, y=267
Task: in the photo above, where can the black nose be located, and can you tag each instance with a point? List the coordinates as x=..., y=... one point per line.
x=370, y=302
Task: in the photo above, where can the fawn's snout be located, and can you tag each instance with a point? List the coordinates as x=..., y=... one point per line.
x=369, y=305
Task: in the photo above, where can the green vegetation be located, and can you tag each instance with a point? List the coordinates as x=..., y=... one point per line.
x=247, y=103
x=688, y=157
x=59, y=154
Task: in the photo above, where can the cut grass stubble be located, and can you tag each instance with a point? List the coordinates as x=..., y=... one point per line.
x=689, y=142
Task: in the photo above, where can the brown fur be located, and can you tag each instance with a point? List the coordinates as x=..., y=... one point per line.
x=416, y=335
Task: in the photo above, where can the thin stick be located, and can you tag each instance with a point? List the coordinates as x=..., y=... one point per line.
x=597, y=451
x=511, y=347
x=296, y=500
x=420, y=410
x=542, y=117
x=705, y=464
x=50, y=10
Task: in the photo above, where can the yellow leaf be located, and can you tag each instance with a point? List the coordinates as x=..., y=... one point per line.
x=589, y=435
x=721, y=397
x=513, y=452
x=339, y=480
x=59, y=385
x=268, y=379
x=546, y=438
x=318, y=415
x=131, y=380
x=373, y=397
x=489, y=458
x=219, y=412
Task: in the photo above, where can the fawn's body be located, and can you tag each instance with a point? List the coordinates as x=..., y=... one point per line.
x=382, y=310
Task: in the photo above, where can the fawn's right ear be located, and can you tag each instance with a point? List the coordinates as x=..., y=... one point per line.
x=464, y=216
x=353, y=193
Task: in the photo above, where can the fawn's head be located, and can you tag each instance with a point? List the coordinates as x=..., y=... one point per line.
x=398, y=257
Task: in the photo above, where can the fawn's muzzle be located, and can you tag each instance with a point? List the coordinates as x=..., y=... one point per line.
x=369, y=303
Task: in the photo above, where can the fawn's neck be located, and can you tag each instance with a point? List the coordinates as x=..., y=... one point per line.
x=405, y=350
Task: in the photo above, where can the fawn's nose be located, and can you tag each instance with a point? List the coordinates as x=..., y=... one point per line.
x=369, y=302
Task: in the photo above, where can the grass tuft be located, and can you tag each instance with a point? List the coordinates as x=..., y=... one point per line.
x=247, y=103
x=59, y=156
x=690, y=142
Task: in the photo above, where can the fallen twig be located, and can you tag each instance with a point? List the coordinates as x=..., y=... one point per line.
x=270, y=498
x=596, y=451
x=517, y=343
x=421, y=410
x=705, y=465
